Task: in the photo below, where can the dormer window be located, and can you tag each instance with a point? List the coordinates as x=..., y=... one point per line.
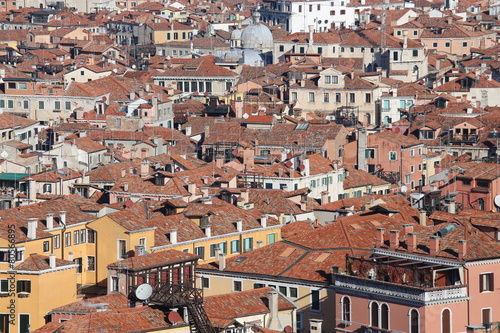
x=331, y=79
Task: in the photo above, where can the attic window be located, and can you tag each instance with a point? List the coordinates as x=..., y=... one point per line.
x=240, y=259
x=375, y=223
x=322, y=257
x=301, y=126
x=355, y=226
x=288, y=251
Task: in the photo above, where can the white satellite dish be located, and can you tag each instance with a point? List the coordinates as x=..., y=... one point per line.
x=4, y=154
x=143, y=291
x=245, y=116
x=497, y=200
x=404, y=189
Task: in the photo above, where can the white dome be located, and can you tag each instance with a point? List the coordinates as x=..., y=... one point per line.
x=257, y=36
x=236, y=34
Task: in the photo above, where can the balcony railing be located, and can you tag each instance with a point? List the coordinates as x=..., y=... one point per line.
x=416, y=295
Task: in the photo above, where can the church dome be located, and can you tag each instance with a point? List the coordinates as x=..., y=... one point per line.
x=257, y=36
x=236, y=34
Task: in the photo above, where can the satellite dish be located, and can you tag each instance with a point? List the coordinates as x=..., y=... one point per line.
x=4, y=154
x=288, y=329
x=174, y=317
x=143, y=291
x=404, y=189
x=245, y=116
x=134, y=66
x=497, y=200
x=379, y=166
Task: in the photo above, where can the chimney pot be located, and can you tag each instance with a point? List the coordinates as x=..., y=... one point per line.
x=173, y=236
x=394, y=240
x=462, y=249
x=208, y=231
x=62, y=217
x=222, y=261
x=380, y=237
x=423, y=218
x=144, y=169
x=263, y=220
x=49, y=221
x=52, y=260
x=411, y=242
x=407, y=228
x=239, y=225
x=32, y=225
x=434, y=245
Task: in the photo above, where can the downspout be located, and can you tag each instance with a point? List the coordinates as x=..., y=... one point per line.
x=468, y=299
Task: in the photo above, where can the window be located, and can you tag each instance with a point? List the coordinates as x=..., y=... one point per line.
x=326, y=97
x=415, y=32
x=91, y=263
x=315, y=300
x=446, y=321
x=67, y=105
x=352, y=98
x=76, y=237
x=57, y=242
x=67, y=239
x=10, y=104
x=237, y=286
x=331, y=79
x=25, y=105
x=12, y=85
x=374, y=314
x=235, y=246
x=384, y=316
x=91, y=236
x=398, y=33
x=447, y=44
x=200, y=251
x=370, y=153
x=46, y=246
x=248, y=244
x=414, y=321
x=282, y=48
x=41, y=105
x=486, y=282
x=300, y=8
x=414, y=53
x=464, y=44
x=57, y=105
x=271, y=238
x=310, y=8
x=393, y=156
x=419, y=167
x=264, y=152
x=4, y=286
x=345, y=308
x=480, y=203
x=294, y=96
x=426, y=135
x=122, y=249
x=311, y=97
x=205, y=282
x=82, y=73
x=434, y=44
x=83, y=236
x=23, y=286
x=420, y=151
x=486, y=316
x=342, y=12
x=395, y=56
x=412, y=152
x=338, y=98
x=213, y=247
x=114, y=283
x=368, y=97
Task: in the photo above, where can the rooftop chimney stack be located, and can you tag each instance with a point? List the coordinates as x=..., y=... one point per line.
x=245, y=195
x=452, y=207
x=222, y=261
x=411, y=242
x=434, y=245
x=407, y=228
x=125, y=186
x=239, y=225
x=423, y=218
x=32, y=225
x=62, y=217
x=263, y=220
x=380, y=237
x=324, y=197
x=204, y=191
x=192, y=188
x=144, y=169
x=52, y=260
x=274, y=322
x=311, y=35
x=394, y=240
x=173, y=236
x=208, y=231
x=49, y=221
x=462, y=249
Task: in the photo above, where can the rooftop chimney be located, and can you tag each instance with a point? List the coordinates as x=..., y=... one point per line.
x=423, y=218
x=52, y=260
x=124, y=173
x=462, y=249
x=62, y=217
x=452, y=207
x=49, y=221
x=380, y=237
x=394, y=240
x=31, y=189
x=411, y=242
x=139, y=250
x=303, y=205
x=204, y=191
x=434, y=245
x=239, y=225
x=173, y=236
x=144, y=169
x=208, y=231
x=192, y=188
x=311, y=35
x=263, y=220
x=274, y=322
x=407, y=228
x=222, y=261
x=245, y=195
x=125, y=186
x=32, y=225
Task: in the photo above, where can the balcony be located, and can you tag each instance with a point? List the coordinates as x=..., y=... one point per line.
x=415, y=296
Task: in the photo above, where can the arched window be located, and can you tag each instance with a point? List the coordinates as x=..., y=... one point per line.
x=384, y=316
x=368, y=118
x=446, y=321
x=414, y=319
x=480, y=203
x=374, y=314
x=345, y=306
